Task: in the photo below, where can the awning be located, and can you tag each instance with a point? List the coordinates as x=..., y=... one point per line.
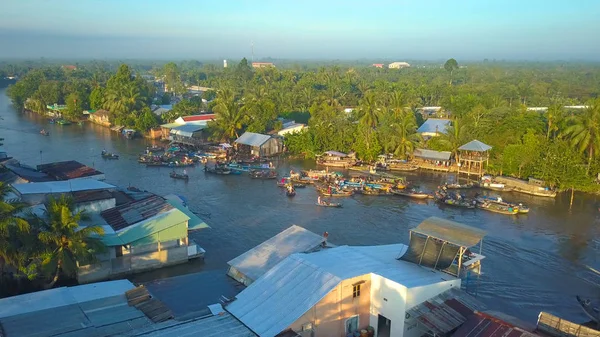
x=450, y=231
x=432, y=155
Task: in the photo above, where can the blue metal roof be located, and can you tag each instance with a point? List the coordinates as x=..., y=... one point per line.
x=433, y=125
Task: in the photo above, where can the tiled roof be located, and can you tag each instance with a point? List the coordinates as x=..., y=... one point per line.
x=129, y=214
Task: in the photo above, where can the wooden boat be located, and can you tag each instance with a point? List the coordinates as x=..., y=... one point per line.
x=329, y=204
x=222, y=170
x=496, y=200
x=498, y=208
x=591, y=310
x=459, y=186
x=337, y=193
x=537, y=193
x=336, y=159
x=44, y=133
x=182, y=176
x=155, y=164
x=496, y=187
x=156, y=148
x=412, y=194
x=458, y=203
x=63, y=122
x=108, y=155
x=263, y=174
x=291, y=193
x=402, y=167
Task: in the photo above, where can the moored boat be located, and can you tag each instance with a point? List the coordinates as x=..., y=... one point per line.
x=290, y=193
x=263, y=174
x=498, y=200
x=336, y=193
x=412, y=194
x=498, y=208
x=336, y=159
x=456, y=186
x=221, y=170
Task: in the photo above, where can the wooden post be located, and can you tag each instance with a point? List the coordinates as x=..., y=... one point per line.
x=571, y=203
x=460, y=254
x=423, y=252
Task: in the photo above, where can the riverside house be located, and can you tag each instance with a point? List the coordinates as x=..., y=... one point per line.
x=259, y=145
x=143, y=234
x=346, y=290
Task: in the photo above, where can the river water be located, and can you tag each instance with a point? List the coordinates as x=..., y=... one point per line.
x=537, y=262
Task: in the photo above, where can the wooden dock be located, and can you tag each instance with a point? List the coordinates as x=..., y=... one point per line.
x=557, y=327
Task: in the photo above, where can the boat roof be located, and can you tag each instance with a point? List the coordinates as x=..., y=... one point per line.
x=450, y=231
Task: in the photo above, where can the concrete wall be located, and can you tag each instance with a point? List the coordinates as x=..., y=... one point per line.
x=329, y=315
x=388, y=299
x=158, y=259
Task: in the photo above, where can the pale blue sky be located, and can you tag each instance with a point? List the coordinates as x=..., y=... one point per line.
x=308, y=29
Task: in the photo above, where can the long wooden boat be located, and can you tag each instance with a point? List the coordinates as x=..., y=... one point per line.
x=155, y=164
x=263, y=174
x=329, y=204
x=402, y=167
x=497, y=208
x=412, y=194
x=459, y=186
x=108, y=155
x=44, y=133
x=181, y=176
x=591, y=310
x=218, y=170
x=456, y=203
x=522, y=209
x=374, y=192
x=537, y=193
x=337, y=193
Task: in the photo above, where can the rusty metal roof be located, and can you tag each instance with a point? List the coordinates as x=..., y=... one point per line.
x=131, y=213
x=484, y=325
x=444, y=312
x=450, y=231
x=66, y=170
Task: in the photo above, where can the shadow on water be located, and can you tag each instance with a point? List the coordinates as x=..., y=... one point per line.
x=535, y=262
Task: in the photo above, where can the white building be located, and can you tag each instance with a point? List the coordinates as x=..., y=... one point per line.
x=224, y=63
x=398, y=65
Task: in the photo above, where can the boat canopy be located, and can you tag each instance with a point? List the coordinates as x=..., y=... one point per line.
x=336, y=154
x=450, y=231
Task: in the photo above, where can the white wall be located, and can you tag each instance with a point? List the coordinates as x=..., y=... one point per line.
x=388, y=299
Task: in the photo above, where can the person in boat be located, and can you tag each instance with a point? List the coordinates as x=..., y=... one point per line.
x=104, y=151
x=319, y=200
x=185, y=172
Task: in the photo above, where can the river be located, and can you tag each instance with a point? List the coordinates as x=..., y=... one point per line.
x=537, y=262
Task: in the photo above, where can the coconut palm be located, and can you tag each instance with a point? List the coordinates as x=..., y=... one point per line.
x=10, y=223
x=398, y=134
x=584, y=130
x=230, y=117
x=454, y=137
x=369, y=110
x=67, y=244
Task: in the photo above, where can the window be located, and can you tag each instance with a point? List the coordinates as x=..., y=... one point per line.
x=356, y=290
x=352, y=324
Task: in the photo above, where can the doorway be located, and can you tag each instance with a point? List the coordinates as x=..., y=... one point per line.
x=384, y=326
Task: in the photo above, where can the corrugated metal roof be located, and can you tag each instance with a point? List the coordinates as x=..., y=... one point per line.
x=296, y=284
x=450, y=231
x=27, y=173
x=66, y=170
x=336, y=154
x=65, y=186
x=433, y=125
x=129, y=214
x=432, y=155
x=260, y=259
x=443, y=313
x=476, y=146
x=86, y=196
x=187, y=130
x=484, y=325
x=252, y=139
x=194, y=222
x=170, y=125
x=215, y=326
x=196, y=118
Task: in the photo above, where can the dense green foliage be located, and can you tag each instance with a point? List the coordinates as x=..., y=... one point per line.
x=38, y=250
x=486, y=101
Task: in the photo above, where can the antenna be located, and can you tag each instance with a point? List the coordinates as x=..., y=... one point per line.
x=252, y=48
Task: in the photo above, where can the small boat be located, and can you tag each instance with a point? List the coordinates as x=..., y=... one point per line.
x=329, y=204
x=593, y=311
x=44, y=133
x=458, y=203
x=154, y=164
x=496, y=187
x=63, y=122
x=412, y=194
x=80, y=123
x=290, y=193
x=522, y=209
x=498, y=208
x=459, y=186
x=176, y=175
x=263, y=174
x=337, y=193
x=156, y=148
x=108, y=155
x=221, y=170
x=51, y=121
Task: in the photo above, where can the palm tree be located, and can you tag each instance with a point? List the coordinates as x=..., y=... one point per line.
x=369, y=110
x=401, y=137
x=584, y=130
x=67, y=245
x=10, y=222
x=554, y=115
x=230, y=117
x=397, y=103
x=454, y=137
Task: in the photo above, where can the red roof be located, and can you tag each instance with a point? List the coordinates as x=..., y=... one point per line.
x=484, y=325
x=196, y=118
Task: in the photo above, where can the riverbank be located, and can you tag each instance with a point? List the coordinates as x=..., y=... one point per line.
x=535, y=262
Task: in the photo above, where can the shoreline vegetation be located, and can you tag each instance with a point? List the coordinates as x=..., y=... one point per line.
x=353, y=107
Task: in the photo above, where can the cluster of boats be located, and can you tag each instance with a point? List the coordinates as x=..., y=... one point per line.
x=488, y=203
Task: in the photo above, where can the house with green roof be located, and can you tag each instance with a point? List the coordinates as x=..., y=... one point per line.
x=142, y=235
